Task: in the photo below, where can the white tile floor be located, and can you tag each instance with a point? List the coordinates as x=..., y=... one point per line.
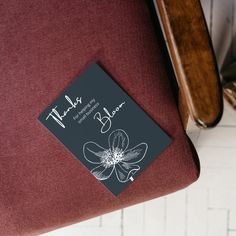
x=206, y=208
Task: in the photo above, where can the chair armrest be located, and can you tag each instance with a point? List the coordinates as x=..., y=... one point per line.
x=189, y=45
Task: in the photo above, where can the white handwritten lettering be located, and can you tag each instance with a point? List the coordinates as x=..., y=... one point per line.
x=106, y=120
x=59, y=117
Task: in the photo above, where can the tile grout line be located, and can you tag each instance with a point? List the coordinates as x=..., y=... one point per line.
x=198, y=136
x=211, y=17
x=186, y=212
x=143, y=226
x=217, y=208
x=208, y=203
x=227, y=222
x=100, y=221
x=122, y=223
x=226, y=126
x=165, y=216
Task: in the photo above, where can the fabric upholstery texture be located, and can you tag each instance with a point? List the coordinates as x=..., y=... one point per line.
x=44, y=45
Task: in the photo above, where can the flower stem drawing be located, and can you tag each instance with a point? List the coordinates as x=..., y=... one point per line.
x=116, y=158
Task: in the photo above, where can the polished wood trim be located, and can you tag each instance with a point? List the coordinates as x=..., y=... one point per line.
x=192, y=56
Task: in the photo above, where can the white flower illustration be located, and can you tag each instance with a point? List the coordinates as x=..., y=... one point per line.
x=116, y=158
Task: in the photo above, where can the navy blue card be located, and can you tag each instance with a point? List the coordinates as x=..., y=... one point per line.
x=104, y=129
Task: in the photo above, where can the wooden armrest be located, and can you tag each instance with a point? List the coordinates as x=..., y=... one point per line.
x=189, y=45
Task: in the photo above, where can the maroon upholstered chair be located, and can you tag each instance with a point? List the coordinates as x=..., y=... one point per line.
x=44, y=45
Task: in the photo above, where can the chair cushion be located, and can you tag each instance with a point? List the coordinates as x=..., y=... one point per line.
x=44, y=45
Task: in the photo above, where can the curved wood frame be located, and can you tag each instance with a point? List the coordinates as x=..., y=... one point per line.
x=193, y=60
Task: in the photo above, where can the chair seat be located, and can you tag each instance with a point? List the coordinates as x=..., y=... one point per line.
x=44, y=45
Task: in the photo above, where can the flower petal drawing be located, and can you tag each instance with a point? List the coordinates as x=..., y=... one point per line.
x=93, y=153
x=135, y=154
x=101, y=172
x=124, y=171
x=118, y=140
x=116, y=158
